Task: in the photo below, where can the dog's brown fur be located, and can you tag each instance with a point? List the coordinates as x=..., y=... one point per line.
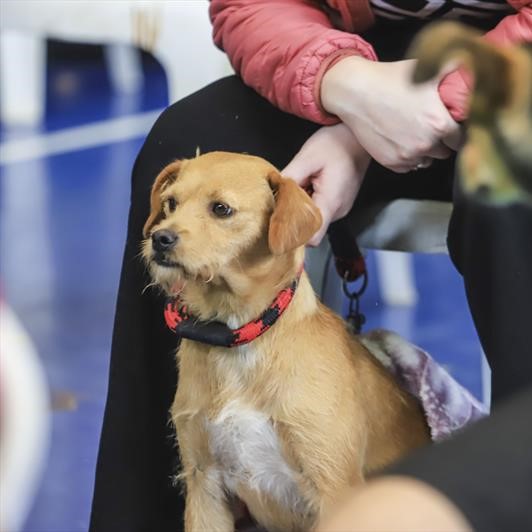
x=335, y=412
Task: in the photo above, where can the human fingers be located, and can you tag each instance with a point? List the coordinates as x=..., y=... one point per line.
x=438, y=151
x=421, y=153
x=454, y=139
x=334, y=203
x=323, y=203
x=301, y=169
x=315, y=241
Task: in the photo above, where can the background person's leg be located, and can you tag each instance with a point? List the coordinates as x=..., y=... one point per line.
x=492, y=248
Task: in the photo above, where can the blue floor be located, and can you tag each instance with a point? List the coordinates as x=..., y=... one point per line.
x=63, y=221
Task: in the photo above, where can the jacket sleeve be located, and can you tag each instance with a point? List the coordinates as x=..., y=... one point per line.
x=456, y=87
x=281, y=48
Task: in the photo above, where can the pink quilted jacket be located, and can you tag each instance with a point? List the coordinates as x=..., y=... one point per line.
x=282, y=48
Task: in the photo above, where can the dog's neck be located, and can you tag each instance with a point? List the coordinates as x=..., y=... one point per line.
x=243, y=292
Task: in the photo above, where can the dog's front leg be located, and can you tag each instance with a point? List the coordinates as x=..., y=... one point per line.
x=328, y=462
x=207, y=508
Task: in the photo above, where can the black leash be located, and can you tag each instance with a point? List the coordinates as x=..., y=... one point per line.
x=351, y=267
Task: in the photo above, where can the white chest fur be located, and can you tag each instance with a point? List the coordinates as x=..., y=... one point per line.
x=247, y=450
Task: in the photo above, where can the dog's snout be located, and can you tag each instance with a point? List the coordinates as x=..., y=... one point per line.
x=163, y=240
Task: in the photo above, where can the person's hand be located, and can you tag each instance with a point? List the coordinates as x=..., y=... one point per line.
x=331, y=164
x=401, y=125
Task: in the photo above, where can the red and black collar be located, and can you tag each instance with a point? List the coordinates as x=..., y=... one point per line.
x=218, y=333
x=350, y=265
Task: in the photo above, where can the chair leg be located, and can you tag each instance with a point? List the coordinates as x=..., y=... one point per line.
x=124, y=67
x=396, y=277
x=485, y=373
x=22, y=78
x=185, y=35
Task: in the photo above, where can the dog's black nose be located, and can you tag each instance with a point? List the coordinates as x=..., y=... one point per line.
x=163, y=240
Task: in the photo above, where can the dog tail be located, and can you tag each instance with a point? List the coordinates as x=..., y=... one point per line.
x=502, y=96
x=450, y=43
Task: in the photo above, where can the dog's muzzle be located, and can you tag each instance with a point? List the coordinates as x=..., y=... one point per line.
x=163, y=240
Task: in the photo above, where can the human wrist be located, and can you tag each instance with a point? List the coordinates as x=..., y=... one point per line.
x=339, y=85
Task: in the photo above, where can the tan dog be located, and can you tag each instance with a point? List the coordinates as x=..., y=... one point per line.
x=287, y=421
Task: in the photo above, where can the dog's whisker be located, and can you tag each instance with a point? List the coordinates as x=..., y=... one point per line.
x=148, y=286
x=140, y=254
x=181, y=288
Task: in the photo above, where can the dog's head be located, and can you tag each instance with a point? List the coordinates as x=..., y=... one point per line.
x=220, y=212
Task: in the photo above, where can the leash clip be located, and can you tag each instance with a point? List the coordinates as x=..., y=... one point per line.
x=355, y=319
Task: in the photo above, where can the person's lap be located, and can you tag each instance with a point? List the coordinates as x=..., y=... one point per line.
x=229, y=116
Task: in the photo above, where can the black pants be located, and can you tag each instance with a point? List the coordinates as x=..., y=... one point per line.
x=491, y=247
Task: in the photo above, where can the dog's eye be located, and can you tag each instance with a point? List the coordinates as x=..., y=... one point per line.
x=221, y=210
x=171, y=203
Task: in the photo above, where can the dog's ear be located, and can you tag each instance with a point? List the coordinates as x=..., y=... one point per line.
x=167, y=176
x=295, y=217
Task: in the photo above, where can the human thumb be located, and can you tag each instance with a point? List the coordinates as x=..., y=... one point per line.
x=301, y=169
x=321, y=201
